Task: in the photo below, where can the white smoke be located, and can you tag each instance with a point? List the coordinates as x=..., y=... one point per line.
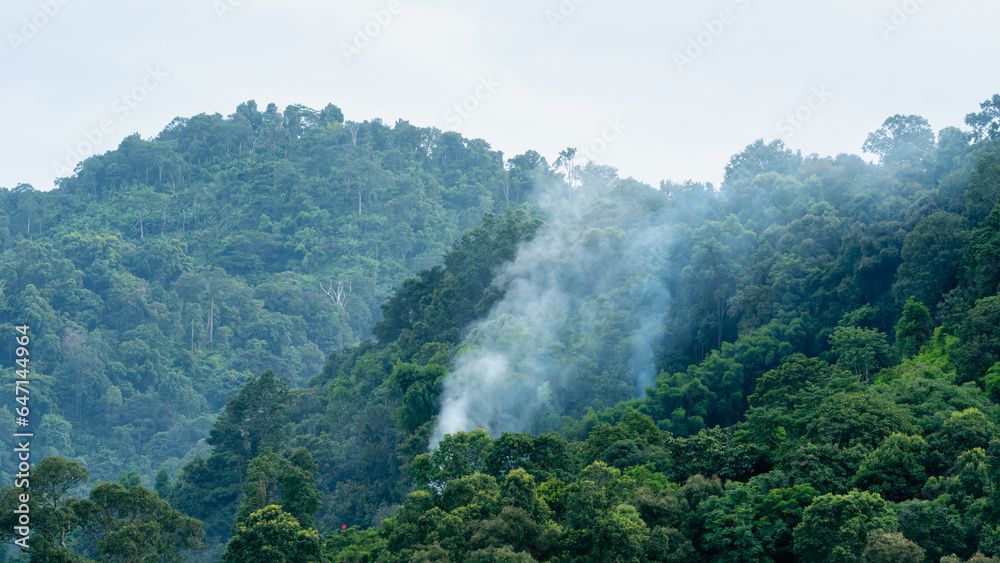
x=578, y=325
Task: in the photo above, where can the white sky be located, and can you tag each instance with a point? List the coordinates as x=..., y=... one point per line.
x=558, y=85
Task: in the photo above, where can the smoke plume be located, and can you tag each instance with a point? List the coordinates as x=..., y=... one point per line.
x=579, y=321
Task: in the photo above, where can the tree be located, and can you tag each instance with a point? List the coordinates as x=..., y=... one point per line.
x=720, y=251
x=566, y=161
x=288, y=483
x=835, y=528
x=300, y=497
x=758, y=158
x=983, y=193
x=896, y=469
x=544, y=456
x=57, y=514
x=982, y=260
x=162, y=483
x=619, y=535
x=135, y=525
x=986, y=123
x=953, y=146
x=778, y=513
x=933, y=527
x=978, y=347
x=254, y=419
x=932, y=258
x=891, y=547
x=669, y=545
x=783, y=387
x=861, y=351
x=270, y=535
x=914, y=329
x=962, y=432
x=902, y=140
x=457, y=455
x=848, y=419
x=730, y=525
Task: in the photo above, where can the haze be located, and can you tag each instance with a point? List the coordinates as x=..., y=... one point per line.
x=660, y=90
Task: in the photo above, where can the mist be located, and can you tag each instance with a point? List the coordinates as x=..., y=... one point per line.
x=582, y=312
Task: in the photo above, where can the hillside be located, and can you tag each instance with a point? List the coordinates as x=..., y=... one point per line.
x=543, y=363
x=162, y=274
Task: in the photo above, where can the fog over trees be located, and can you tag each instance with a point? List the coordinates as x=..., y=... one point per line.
x=281, y=335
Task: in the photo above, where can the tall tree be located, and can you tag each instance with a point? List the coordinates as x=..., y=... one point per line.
x=271, y=535
x=255, y=419
x=902, y=139
x=986, y=123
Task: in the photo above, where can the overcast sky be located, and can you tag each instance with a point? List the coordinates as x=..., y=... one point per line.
x=660, y=90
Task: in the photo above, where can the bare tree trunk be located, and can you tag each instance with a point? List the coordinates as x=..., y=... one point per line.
x=335, y=296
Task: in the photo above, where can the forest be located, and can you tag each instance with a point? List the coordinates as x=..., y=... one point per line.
x=291, y=337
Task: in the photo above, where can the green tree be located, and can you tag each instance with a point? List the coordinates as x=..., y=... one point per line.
x=902, y=139
x=786, y=397
x=620, y=535
x=730, y=532
x=891, y=547
x=932, y=258
x=979, y=340
x=135, y=525
x=457, y=455
x=861, y=351
x=914, y=329
x=986, y=123
x=271, y=535
x=54, y=515
x=933, y=527
x=963, y=431
x=255, y=419
x=983, y=193
x=835, y=528
x=778, y=513
x=895, y=469
x=287, y=483
x=57, y=514
x=758, y=158
x=847, y=419
x=982, y=258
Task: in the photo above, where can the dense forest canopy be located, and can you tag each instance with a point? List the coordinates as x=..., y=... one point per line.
x=347, y=341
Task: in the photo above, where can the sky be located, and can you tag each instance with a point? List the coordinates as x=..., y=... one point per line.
x=659, y=90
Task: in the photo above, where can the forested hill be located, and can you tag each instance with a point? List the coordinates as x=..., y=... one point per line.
x=815, y=347
x=162, y=274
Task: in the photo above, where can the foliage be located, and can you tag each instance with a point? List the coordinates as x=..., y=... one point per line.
x=827, y=358
x=270, y=535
